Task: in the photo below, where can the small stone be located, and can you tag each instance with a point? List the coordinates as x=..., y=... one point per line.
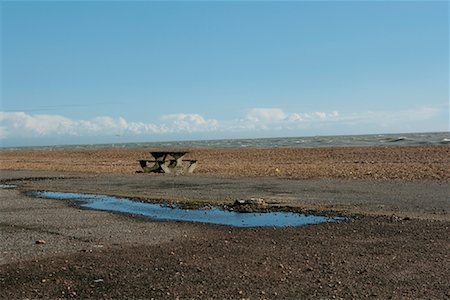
x=249, y=204
x=40, y=242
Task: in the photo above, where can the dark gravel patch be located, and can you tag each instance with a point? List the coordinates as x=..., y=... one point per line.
x=370, y=257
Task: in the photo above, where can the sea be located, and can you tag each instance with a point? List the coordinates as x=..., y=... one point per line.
x=370, y=140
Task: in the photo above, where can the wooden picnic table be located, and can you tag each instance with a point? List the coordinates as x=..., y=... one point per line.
x=170, y=162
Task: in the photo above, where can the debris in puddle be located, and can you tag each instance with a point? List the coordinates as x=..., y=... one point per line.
x=252, y=212
x=252, y=204
x=7, y=186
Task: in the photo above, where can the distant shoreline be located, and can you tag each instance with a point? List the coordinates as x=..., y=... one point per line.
x=325, y=141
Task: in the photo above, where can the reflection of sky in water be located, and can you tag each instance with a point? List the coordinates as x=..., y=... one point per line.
x=164, y=212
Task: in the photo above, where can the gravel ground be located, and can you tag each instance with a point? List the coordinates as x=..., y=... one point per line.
x=404, y=163
x=424, y=199
x=67, y=229
x=395, y=245
x=92, y=254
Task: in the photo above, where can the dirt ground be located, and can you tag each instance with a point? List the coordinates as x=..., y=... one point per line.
x=394, y=245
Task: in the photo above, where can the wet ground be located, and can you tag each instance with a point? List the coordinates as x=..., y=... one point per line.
x=425, y=199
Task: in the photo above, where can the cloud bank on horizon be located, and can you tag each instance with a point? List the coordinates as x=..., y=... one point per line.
x=29, y=125
x=24, y=125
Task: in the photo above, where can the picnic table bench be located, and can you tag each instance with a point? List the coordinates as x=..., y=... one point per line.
x=170, y=162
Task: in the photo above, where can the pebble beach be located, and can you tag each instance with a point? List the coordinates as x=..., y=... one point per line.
x=403, y=163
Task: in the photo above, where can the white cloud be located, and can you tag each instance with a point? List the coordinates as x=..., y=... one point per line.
x=20, y=124
x=277, y=115
x=23, y=125
x=295, y=117
x=3, y=132
x=16, y=123
x=266, y=115
x=190, y=123
x=277, y=119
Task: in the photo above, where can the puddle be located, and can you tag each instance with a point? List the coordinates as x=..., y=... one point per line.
x=157, y=211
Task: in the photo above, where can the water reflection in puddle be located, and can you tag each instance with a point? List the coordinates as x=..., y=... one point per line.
x=159, y=211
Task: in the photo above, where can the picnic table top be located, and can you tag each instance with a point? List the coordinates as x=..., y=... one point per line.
x=164, y=154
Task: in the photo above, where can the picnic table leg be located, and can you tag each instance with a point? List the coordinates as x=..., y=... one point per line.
x=175, y=166
x=166, y=168
x=155, y=168
x=192, y=166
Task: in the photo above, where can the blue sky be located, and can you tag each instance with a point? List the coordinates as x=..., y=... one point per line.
x=123, y=71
